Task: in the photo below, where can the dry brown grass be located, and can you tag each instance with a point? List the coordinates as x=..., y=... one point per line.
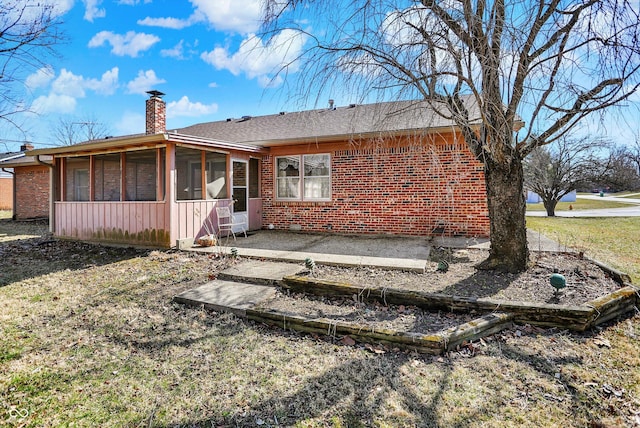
x=90, y=337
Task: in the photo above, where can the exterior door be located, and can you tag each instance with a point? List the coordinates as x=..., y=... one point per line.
x=240, y=191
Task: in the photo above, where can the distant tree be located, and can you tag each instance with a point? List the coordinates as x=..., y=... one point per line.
x=635, y=155
x=549, y=64
x=619, y=170
x=67, y=132
x=555, y=170
x=28, y=34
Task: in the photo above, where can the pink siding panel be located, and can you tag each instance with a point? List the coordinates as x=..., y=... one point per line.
x=255, y=214
x=135, y=223
x=194, y=218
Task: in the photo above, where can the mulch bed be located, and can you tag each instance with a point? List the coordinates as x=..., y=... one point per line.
x=369, y=314
x=586, y=281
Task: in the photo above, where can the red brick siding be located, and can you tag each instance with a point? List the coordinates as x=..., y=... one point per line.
x=32, y=192
x=424, y=188
x=6, y=193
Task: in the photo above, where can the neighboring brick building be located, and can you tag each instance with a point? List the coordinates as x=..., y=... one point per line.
x=30, y=186
x=24, y=185
x=387, y=168
x=6, y=191
x=32, y=192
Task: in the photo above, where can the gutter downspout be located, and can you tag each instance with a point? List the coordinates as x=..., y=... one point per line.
x=13, y=216
x=52, y=211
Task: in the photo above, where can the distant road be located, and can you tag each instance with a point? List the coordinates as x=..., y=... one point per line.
x=631, y=211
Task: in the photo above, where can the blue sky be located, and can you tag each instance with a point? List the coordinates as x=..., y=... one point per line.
x=196, y=52
x=203, y=54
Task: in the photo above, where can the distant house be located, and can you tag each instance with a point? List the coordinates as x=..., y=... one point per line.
x=385, y=168
x=24, y=184
x=534, y=198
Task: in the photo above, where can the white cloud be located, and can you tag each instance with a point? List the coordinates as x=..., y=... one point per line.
x=133, y=2
x=258, y=60
x=184, y=107
x=213, y=85
x=172, y=23
x=241, y=16
x=130, y=44
x=60, y=7
x=144, y=82
x=69, y=84
x=175, y=52
x=41, y=78
x=54, y=103
x=67, y=87
x=26, y=11
x=269, y=82
x=92, y=10
x=130, y=123
x=237, y=16
x=107, y=84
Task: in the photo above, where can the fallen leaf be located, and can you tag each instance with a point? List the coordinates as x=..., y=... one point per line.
x=374, y=349
x=601, y=341
x=347, y=340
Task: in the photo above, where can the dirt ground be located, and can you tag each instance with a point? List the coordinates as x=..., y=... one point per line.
x=89, y=336
x=585, y=280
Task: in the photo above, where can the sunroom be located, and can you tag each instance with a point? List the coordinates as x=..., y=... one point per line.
x=152, y=190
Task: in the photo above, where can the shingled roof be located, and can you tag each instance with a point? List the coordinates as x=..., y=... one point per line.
x=326, y=124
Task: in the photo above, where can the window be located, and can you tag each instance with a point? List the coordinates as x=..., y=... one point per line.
x=312, y=182
x=81, y=183
x=216, y=169
x=106, y=180
x=77, y=178
x=189, y=174
x=141, y=175
x=254, y=178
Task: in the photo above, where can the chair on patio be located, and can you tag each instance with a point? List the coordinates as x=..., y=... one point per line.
x=226, y=222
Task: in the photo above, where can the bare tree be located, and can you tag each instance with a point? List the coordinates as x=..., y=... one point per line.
x=67, y=132
x=488, y=66
x=556, y=170
x=618, y=170
x=28, y=33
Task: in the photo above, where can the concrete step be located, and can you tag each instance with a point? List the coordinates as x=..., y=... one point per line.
x=260, y=272
x=227, y=296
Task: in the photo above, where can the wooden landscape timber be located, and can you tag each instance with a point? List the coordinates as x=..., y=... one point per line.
x=576, y=318
x=436, y=343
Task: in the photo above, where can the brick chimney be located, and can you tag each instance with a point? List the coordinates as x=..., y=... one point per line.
x=156, y=113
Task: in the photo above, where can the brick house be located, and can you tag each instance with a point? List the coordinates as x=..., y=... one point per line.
x=24, y=185
x=385, y=168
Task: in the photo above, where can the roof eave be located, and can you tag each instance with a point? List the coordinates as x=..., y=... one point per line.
x=109, y=143
x=356, y=136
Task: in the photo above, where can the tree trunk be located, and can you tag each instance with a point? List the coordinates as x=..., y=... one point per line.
x=505, y=197
x=550, y=206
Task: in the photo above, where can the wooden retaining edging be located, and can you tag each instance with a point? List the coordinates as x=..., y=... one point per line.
x=436, y=343
x=577, y=318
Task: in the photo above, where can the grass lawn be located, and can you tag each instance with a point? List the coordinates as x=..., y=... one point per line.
x=614, y=240
x=89, y=336
x=580, y=204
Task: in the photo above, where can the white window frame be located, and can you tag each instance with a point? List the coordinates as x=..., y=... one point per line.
x=301, y=178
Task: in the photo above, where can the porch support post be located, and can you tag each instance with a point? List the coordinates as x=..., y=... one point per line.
x=171, y=208
x=123, y=179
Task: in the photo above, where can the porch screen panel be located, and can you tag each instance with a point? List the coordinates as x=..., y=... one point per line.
x=107, y=177
x=141, y=175
x=216, y=170
x=188, y=174
x=77, y=179
x=288, y=177
x=317, y=181
x=254, y=178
